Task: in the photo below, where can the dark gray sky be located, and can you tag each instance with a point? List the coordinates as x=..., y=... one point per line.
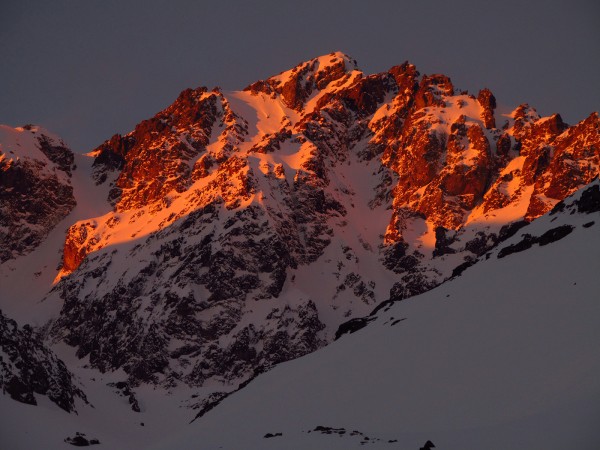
x=87, y=69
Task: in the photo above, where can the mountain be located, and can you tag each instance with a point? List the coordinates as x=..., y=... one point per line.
x=503, y=356
x=35, y=187
x=234, y=231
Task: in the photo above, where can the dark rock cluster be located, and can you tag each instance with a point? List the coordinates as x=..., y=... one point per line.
x=81, y=440
x=29, y=368
x=34, y=195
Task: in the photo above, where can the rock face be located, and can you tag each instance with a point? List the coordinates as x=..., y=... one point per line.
x=28, y=367
x=248, y=225
x=295, y=86
x=488, y=104
x=35, y=188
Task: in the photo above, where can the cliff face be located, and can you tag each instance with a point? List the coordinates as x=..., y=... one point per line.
x=247, y=226
x=28, y=367
x=35, y=188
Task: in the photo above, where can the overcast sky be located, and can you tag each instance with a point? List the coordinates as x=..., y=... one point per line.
x=87, y=69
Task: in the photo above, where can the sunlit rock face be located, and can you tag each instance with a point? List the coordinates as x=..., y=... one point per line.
x=35, y=187
x=247, y=226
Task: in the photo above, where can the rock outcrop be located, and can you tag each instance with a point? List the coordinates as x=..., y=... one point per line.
x=35, y=188
x=29, y=368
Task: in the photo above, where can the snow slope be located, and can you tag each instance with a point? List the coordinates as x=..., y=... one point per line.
x=504, y=356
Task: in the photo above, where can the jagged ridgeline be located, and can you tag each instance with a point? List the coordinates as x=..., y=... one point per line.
x=247, y=226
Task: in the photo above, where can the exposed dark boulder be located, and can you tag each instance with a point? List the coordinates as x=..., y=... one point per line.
x=443, y=242
x=81, y=440
x=352, y=326
x=589, y=201
x=428, y=446
x=458, y=270
x=528, y=241
x=555, y=234
x=524, y=244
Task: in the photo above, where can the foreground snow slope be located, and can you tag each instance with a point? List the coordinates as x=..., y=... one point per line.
x=505, y=356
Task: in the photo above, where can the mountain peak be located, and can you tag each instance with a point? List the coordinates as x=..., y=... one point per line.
x=320, y=64
x=297, y=84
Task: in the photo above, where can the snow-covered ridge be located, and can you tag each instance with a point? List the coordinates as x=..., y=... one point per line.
x=318, y=65
x=23, y=144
